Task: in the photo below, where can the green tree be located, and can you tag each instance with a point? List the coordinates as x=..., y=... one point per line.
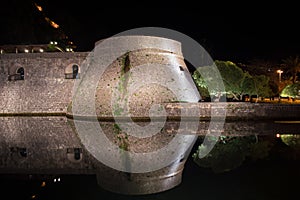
x=247, y=86
x=209, y=81
x=233, y=77
x=291, y=90
x=262, y=87
x=236, y=82
x=292, y=66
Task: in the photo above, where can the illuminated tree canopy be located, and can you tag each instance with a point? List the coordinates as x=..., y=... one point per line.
x=292, y=67
x=291, y=140
x=237, y=83
x=292, y=90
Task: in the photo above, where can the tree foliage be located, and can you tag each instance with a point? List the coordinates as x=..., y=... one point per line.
x=209, y=80
x=236, y=82
x=262, y=87
x=291, y=140
x=230, y=152
x=292, y=67
x=291, y=90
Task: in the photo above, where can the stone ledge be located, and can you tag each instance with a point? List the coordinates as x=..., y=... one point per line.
x=188, y=111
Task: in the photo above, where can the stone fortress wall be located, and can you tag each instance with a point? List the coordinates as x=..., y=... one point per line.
x=45, y=88
x=47, y=143
x=39, y=144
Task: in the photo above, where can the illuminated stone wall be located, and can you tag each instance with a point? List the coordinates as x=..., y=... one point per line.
x=44, y=88
x=234, y=110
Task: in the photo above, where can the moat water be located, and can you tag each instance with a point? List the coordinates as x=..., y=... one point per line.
x=249, y=166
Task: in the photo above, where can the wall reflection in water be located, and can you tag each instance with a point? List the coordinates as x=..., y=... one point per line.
x=45, y=157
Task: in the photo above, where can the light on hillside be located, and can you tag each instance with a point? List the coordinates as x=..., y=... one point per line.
x=38, y=7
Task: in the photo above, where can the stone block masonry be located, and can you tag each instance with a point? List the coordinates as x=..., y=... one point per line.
x=44, y=88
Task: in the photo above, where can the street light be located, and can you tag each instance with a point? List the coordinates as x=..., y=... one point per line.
x=279, y=74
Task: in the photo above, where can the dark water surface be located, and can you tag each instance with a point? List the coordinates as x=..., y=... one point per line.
x=248, y=167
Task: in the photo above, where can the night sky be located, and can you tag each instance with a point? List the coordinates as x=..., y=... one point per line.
x=229, y=34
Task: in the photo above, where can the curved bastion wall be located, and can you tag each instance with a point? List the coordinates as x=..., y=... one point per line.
x=51, y=78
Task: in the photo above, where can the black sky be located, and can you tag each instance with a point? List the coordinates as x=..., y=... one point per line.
x=229, y=34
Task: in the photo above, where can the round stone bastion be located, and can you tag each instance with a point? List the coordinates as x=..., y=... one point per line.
x=125, y=83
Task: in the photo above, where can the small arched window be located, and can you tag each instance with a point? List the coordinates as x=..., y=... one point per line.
x=20, y=73
x=75, y=71
x=72, y=71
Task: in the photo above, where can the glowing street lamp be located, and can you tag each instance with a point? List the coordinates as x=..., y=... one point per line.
x=279, y=74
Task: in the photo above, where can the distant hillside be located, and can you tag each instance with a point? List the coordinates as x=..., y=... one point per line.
x=27, y=22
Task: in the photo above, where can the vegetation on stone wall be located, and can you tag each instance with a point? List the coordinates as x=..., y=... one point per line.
x=122, y=96
x=122, y=137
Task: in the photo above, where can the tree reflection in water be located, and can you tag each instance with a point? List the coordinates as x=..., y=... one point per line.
x=230, y=152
